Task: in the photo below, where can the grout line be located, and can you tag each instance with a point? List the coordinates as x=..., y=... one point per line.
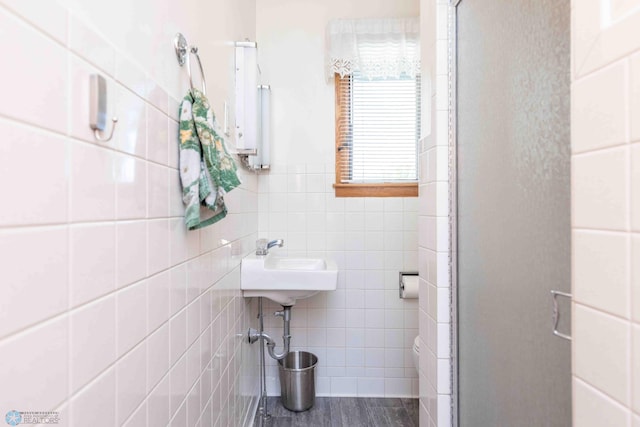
x=101, y=298
x=15, y=121
x=34, y=27
x=598, y=150
x=629, y=204
x=602, y=311
x=579, y=75
x=601, y=231
x=603, y=393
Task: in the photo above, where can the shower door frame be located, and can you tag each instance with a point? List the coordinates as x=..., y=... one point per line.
x=452, y=55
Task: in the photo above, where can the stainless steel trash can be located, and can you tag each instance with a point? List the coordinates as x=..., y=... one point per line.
x=297, y=380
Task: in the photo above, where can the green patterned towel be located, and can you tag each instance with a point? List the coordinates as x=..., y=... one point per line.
x=207, y=171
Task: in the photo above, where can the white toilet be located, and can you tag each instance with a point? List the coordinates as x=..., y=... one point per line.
x=416, y=353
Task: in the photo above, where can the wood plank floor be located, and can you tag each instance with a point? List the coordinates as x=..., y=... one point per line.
x=346, y=412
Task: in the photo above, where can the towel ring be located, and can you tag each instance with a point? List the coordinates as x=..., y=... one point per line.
x=182, y=53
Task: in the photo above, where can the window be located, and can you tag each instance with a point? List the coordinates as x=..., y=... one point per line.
x=377, y=131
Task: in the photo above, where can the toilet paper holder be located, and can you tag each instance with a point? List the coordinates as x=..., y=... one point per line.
x=401, y=281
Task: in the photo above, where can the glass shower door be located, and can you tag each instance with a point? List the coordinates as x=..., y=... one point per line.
x=513, y=188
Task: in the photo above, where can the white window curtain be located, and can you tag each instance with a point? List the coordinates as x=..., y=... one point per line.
x=374, y=48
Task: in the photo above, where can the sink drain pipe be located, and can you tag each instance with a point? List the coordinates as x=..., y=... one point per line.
x=286, y=335
x=254, y=335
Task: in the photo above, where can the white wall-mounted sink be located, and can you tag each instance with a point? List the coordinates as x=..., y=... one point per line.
x=286, y=279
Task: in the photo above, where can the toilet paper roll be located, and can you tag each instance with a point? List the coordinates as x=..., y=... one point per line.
x=409, y=287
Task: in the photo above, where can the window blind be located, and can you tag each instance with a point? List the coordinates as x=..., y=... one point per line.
x=377, y=129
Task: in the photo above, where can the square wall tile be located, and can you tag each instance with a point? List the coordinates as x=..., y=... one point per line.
x=35, y=364
x=178, y=328
x=159, y=401
x=602, y=351
x=131, y=135
x=93, y=184
x=42, y=285
x=174, y=147
x=344, y=386
x=93, y=261
x=158, y=97
x=132, y=76
x=158, y=245
x=44, y=71
x=158, y=349
x=131, y=316
x=441, y=270
x=176, y=206
x=394, y=358
x=397, y=387
x=139, y=417
x=131, y=244
x=444, y=376
x=95, y=405
x=598, y=109
x=443, y=340
x=158, y=137
x=157, y=190
x=600, y=270
x=430, y=174
x=131, y=382
x=635, y=367
x=600, y=190
x=50, y=206
x=131, y=187
x=635, y=277
x=374, y=357
x=592, y=408
x=601, y=33
x=635, y=186
x=444, y=410
x=158, y=288
x=91, y=46
x=634, y=110
x=432, y=306
x=370, y=387
x=49, y=17
x=93, y=340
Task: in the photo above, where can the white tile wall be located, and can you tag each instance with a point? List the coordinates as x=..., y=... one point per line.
x=433, y=262
x=110, y=311
x=605, y=210
x=362, y=332
x=593, y=408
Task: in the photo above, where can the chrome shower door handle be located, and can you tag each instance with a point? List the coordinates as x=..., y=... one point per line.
x=556, y=313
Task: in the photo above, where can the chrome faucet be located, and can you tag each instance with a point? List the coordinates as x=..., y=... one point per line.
x=263, y=245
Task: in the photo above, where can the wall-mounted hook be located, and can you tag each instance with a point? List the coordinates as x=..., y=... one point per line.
x=96, y=131
x=98, y=107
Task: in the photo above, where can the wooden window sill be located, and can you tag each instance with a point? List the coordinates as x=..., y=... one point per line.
x=377, y=190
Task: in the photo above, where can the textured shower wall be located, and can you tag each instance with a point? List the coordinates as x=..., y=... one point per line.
x=110, y=311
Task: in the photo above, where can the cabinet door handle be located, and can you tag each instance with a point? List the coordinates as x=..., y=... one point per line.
x=556, y=314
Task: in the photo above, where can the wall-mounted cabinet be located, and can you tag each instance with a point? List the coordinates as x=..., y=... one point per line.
x=252, y=108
